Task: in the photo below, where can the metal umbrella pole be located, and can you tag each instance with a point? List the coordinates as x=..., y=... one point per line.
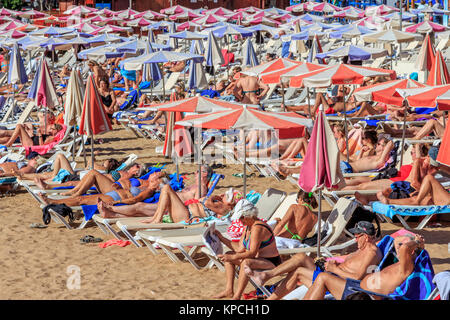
x=245, y=167
x=345, y=126
x=405, y=102
x=319, y=214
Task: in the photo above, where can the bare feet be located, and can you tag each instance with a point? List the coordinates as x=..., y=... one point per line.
x=258, y=278
x=43, y=197
x=224, y=294
x=382, y=197
x=149, y=220
x=361, y=198
x=105, y=212
x=40, y=183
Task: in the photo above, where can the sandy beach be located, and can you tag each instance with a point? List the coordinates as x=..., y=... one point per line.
x=40, y=263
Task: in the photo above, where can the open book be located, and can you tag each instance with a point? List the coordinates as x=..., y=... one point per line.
x=212, y=241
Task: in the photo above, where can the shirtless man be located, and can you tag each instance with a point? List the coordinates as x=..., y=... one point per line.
x=382, y=282
x=142, y=209
x=301, y=268
x=249, y=89
x=98, y=71
x=368, y=163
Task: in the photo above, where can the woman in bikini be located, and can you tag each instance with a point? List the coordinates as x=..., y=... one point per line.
x=299, y=220
x=23, y=135
x=108, y=97
x=256, y=250
x=115, y=194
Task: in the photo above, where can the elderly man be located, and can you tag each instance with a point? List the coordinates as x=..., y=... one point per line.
x=302, y=268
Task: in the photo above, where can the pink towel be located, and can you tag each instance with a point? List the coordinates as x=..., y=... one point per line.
x=120, y=243
x=43, y=149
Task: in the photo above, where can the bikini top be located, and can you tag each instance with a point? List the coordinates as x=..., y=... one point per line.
x=133, y=182
x=264, y=243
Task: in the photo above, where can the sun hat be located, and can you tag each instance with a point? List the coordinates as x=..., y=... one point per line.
x=244, y=208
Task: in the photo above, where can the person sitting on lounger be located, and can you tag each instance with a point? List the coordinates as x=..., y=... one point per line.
x=382, y=282
x=21, y=134
x=431, y=192
x=19, y=168
x=299, y=219
x=141, y=209
x=249, y=89
x=302, y=269
x=116, y=195
x=384, y=147
x=256, y=250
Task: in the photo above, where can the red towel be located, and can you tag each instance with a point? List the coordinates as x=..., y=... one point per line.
x=227, y=56
x=120, y=243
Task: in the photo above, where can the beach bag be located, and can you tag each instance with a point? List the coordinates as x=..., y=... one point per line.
x=401, y=190
x=361, y=214
x=62, y=209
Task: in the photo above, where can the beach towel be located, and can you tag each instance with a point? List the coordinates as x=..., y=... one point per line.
x=419, y=285
x=90, y=210
x=228, y=57
x=62, y=209
x=112, y=242
x=43, y=149
x=134, y=96
x=442, y=280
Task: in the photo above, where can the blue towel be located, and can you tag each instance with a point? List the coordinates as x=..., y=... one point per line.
x=90, y=210
x=62, y=173
x=419, y=284
x=389, y=210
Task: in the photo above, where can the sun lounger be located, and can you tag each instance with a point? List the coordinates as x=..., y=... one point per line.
x=403, y=212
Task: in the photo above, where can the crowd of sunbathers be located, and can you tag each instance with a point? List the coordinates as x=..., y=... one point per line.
x=362, y=149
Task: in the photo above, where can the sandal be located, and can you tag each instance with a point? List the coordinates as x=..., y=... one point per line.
x=38, y=226
x=90, y=239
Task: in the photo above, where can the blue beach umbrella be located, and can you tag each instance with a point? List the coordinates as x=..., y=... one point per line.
x=151, y=71
x=34, y=85
x=353, y=53
x=213, y=55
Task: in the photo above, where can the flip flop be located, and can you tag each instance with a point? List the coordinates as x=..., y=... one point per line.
x=38, y=226
x=90, y=239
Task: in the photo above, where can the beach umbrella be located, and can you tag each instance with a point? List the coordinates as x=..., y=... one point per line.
x=320, y=168
x=439, y=73
x=8, y=12
x=149, y=14
x=126, y=14
x=105, y=38
x=213, y=54
x=31, y=14
x=12, y=25
x=45, y=92
x=80, y=10
x=443, y=156
x=390, y=35
x=275, y=76
x=188, y=14
x=350, y=13
x=443, y=101
x=354, y=53
x=273, y=66
x=426, y=55
x=138, y=22
x=73, y=104
x=51, y=31
x=111, y=29
x=151, y=71
x=197, y=47
x=188, y=25
x=231, y=30
x=94, y=119
x=337, y=74
x=426, y=27
x=314, y=51
x=248, y=119
x=16, y=68
x=249, y=54
x=326, y=7
x=13, y=34
x=379, y=10
x=384, y=92
x=187, y=35
x=209, y=19
x=174, y=10
x=349, y=31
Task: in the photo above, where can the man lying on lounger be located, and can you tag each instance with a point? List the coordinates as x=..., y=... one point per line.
x=302, y=268
x=383, y=282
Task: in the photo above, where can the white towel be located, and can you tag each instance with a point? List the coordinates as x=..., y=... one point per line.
x=288, y=243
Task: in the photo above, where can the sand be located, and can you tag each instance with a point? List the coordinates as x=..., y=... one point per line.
x=43, y=263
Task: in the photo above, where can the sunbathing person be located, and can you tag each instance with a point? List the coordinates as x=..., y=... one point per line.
x=366, y=109
x=21, y=134
x=249, y=89
x=431, y=192
x=302, y=269
x=412, y=173
x=14, y=169
x=115, y=196
x=256, y=250
x=275, y=147
x=299, y=219
x=141, y=209
x=99, y=72
x=382, y=282
x=103, y=182
x=368, y=163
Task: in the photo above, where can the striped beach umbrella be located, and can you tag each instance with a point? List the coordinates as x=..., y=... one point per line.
x=426, y=27
x=443, y=154
x=425, y=97
x=443, y=101
x=426, y=55
x=384, y=92
x=94, y=119
x=439, y=73
x=286, y=73
x=45, y=90
x=16, y=68
x=320, y=168
x=354, y=53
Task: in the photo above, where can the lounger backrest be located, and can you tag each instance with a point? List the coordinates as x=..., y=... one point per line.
x=215, y=178
x=26, y=113
x=284, y=206
x=339, y=217
x=269, y=202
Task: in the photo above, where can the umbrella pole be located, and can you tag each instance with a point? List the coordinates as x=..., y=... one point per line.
x=309, y=103
x=164, y=89
x=199, y=151
x=74, y=146
x=346, y=126
x=319, y=218
x=92, y=151
x=245, y=168
x=84, y=152
x=403, y=136
x=282, y=95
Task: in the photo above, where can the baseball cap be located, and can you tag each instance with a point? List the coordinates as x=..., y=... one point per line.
x=363, y=227
x=433, y=153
